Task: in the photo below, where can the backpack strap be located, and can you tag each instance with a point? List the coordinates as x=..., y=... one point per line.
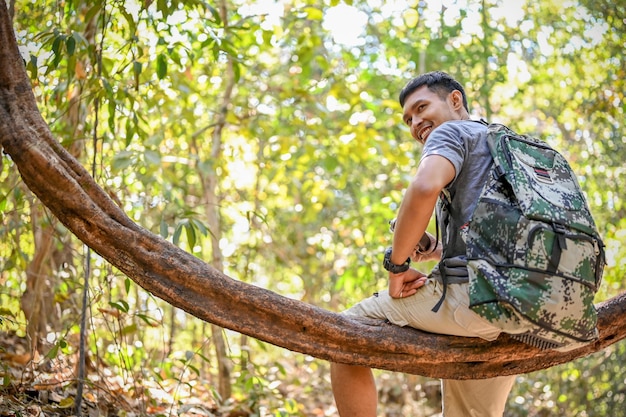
x=558, y=247
x=444, y=280
x=445, y=203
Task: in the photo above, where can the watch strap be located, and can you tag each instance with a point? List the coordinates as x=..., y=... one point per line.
x=394, y=268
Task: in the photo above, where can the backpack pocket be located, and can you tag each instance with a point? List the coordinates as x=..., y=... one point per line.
x=570, y=254
x=544, y=175
x=557, y=309
x=544, y=185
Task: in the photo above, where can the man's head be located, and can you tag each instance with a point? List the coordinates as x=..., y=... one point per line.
x=430, y=100
x=438, y=82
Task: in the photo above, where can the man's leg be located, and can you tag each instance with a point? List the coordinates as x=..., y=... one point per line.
x=354, y=389
x=476, y=397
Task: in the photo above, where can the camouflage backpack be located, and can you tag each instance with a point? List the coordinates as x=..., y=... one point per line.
x=535, y=258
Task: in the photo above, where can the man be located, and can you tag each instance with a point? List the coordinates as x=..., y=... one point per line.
x=455, y=163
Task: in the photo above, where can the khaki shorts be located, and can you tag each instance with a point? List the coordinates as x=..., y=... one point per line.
x=460, y=398
x=453, y=318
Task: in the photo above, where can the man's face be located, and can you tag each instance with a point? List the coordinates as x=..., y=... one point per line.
x=424, y=110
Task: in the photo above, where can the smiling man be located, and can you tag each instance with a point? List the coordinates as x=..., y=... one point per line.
x=454, y=165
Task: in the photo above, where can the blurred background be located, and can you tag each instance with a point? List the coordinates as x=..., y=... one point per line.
x=265, y=137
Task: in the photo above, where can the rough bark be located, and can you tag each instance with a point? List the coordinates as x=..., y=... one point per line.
x=184, y=281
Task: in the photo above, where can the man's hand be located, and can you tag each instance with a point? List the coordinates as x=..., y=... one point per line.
x=406, y=283
x=428, y=254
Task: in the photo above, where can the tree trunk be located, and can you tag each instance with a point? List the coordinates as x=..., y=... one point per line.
x=187, y=282
x=37, y=300
x=210, y=187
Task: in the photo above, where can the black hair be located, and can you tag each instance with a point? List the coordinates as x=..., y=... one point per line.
x=438, y=82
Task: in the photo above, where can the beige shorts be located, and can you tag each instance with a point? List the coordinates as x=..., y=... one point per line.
x=460, y=398
x=453, y=318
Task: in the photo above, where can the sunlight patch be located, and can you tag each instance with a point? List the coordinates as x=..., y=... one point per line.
x=346, y=24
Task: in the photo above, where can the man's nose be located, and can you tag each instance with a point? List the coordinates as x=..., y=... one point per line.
x=415, y=124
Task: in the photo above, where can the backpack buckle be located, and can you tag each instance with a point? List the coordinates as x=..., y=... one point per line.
x=559, y=228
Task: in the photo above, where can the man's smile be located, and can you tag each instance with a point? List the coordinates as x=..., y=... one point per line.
x=423, y=133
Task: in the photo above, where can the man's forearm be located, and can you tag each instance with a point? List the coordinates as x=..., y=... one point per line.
x=413, y=218
x=418, y=204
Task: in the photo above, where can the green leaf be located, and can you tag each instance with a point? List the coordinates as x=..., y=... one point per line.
x=203, y=357
x=106, y=85
x=93, y=11
x=66, y=403
x=121, y=305
x=79, y=38
x=111, y=119
x=137, y=68
x=70, y=44
x=237, y=71
x=191, y=235
x=150, y=321
x=122, y=160
x=32, y=67
x=177, y=233
x=52, y=353
x=56, y=48
x=56, y=44
x=161, y=64
x=199, y=226
x=152, y=157
x=314, y=13
x=267, y=37
x=132, y=25
x=194, y=369
x=162, y=7
x=130, y=329
x=130, y=129
x=215, y=14
x=5, y=311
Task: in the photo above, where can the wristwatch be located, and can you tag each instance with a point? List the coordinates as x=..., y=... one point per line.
x=393, y=268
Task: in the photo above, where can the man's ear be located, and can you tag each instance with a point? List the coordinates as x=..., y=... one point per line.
x=456, y=98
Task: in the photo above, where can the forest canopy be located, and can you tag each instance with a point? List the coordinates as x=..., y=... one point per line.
x=266, y=139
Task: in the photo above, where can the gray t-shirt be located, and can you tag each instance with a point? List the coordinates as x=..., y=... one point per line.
x=464, y=144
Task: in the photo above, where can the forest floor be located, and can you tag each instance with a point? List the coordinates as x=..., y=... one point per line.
x=46, y=387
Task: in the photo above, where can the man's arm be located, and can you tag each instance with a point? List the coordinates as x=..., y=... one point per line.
x=416, y=209
x=428, y=248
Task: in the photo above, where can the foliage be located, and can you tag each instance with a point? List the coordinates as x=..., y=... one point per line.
x=314, y=158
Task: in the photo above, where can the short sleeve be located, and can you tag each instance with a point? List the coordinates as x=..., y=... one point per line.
x=447, y=140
